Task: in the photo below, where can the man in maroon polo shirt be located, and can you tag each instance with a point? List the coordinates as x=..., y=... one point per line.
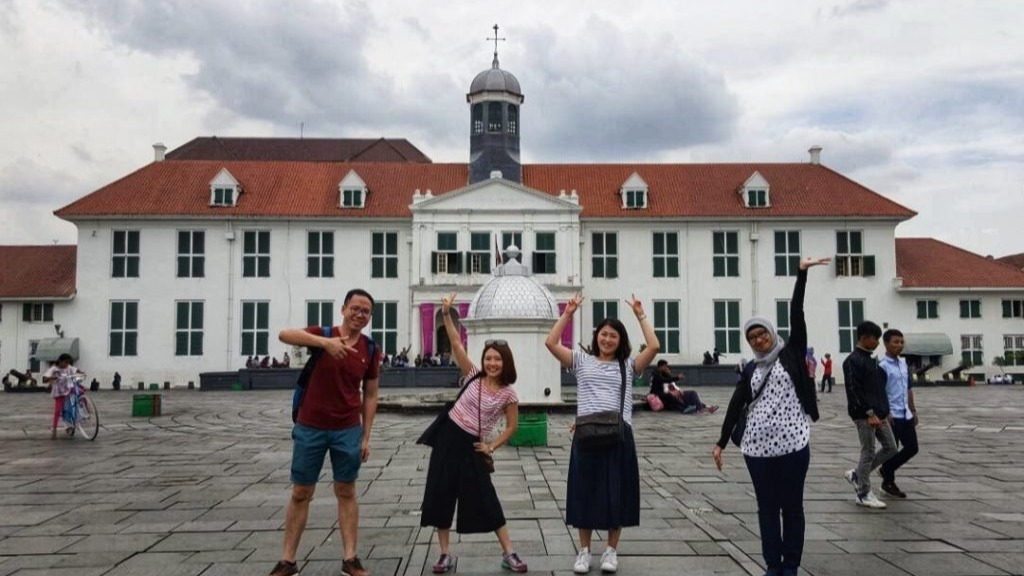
x=336, y=416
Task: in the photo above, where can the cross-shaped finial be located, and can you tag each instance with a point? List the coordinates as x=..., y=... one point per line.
x=494, y=64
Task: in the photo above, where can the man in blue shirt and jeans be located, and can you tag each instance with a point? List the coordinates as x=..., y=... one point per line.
x=901, y=409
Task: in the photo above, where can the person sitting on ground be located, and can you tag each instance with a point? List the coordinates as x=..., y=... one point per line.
x=265, y=363
x=663, y=385
x=418, y=361
x=708, y=360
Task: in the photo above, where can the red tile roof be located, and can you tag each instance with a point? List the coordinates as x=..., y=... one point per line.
x=299, y=150
x=1015, y=260
x=37, y=271
x=930, y=263
x=306, y=189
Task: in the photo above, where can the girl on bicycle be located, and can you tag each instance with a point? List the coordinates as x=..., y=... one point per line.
x=58, y=376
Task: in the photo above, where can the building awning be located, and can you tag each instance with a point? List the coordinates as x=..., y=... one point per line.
x=49, y=349
x=927, y=344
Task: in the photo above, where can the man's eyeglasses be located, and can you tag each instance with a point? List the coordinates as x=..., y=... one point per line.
x=495, y=343
x=361, y=311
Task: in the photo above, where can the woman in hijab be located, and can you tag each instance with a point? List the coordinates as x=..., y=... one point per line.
x=779, y=401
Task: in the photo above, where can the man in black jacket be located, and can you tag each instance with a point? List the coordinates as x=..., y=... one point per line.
x=868, y=406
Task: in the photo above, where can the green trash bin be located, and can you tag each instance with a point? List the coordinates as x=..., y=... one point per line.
x=531, y=431
x=142, y=405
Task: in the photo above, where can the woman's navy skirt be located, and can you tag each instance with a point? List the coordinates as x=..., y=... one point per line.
x=604, y=487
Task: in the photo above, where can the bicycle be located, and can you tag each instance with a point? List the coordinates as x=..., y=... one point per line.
x=79, y=411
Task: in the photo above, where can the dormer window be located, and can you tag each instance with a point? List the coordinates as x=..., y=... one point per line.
x=755, y=192
x=352, y=191
x=224, y=189
x=634, y=193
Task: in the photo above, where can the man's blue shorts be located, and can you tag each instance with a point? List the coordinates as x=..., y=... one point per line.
x=311, y=444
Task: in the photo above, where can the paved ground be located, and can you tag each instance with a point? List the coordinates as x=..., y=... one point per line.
x=201, y=490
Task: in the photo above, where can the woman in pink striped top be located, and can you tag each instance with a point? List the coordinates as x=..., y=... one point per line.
x=458, y=472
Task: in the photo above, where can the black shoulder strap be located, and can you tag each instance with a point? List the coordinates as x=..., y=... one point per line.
x=622, y=370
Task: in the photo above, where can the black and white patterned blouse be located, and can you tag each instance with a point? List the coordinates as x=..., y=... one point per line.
x=778, y=424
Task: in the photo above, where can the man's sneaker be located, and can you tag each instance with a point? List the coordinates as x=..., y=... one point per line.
x=443, y=564
x=609, y=560
x=582, y=565
x=513, y=562
x=353, y=567
x=869, y=500
x=284, y=568
x=892, y=489
x=851, y=477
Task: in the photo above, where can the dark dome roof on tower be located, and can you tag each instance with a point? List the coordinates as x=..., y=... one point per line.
x=494, y=79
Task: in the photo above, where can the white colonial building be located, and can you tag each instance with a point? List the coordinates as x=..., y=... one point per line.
x=194, y=262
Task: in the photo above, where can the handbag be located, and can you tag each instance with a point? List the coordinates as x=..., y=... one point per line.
x=429, y=435
x=603, y=430
x=655, y=403
x=741, y=423
x=488, y=459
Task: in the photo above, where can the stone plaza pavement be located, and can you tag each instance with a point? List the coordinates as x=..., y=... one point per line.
x=202, y=490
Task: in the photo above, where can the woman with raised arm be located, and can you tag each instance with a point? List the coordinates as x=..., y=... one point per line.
x=779, y=401
x=603, y=490
x=458, y=471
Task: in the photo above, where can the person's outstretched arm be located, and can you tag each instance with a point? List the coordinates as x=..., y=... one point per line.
x=554, y=340
x=644, y=359
x=461, y=358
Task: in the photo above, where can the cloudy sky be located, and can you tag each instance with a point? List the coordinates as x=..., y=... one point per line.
x=920, y=100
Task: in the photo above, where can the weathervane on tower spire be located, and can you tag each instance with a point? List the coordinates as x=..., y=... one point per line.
x=494, y=64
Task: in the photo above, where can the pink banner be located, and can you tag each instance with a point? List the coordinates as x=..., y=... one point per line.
x=567, y=333
x=427, y=328
x=463, y=312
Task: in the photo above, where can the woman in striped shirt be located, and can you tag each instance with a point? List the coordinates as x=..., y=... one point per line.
x=457, y=471
x=603, y=489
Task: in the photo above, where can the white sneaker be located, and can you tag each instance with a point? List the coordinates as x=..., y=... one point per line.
x=869, y=500
x=609, y=560
x=851, y=477
x=582, y=565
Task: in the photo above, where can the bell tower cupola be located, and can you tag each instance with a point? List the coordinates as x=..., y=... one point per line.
x=494, y=100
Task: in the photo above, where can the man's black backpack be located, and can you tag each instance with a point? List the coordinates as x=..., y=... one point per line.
x=307, y=371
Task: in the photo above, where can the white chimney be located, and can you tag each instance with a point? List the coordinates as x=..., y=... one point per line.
x=815, y=152
x=158, y=152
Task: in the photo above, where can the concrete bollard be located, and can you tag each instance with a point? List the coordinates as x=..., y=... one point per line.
x=167, y=385
x=142, y=385
x=191, y=385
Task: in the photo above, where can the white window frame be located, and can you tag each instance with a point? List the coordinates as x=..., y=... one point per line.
x=848, y=325
x=127, y=256
x=124, y=331
x=317, y=262
x=323, y=310
x=254, y=330
x=257, y=257
x=728, y=337
x=385, y=312
x=191, y=332
x=787, y=256
x=666, y=257
x=666, y=325
x=927, y=309
x=190, y=263
x=972, y=349
x=1013, y=349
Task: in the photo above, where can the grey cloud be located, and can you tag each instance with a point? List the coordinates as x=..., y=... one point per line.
x=617, y=95
x=860, y=7
x=26, y=181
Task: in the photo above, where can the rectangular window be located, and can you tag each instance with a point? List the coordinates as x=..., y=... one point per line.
x=512, y=239
x=1013, y=349
x=636, y=199
x=191, y=253
x=384, y=258
x=1013, y=308
x=727, y=326
x=666, y=325
x=480, y=252
x=850, y=258
x=352, y=198
x=927, y=309
x=970, y=350
x=188, y=332
x=33, y=362
x=851, y=313
x=223, y=196
x=319, y=254
x=544, y=253
x=725, y=254
x=666, y=254
x=782, y=318
x=124, y=328
x=970, y=308
x=256, y=254
x=757, y=198
x=319, y=313
x=384, y=326
x=605, y=254
x=787, y=252
x=447, y=260
x=125, y=254
x=37, y=312
x=255, y=328
x=603, y=309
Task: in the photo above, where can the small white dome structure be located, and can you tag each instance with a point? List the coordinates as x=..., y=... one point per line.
x=515, y=307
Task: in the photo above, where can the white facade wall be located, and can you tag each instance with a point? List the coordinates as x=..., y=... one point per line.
x=17, y=336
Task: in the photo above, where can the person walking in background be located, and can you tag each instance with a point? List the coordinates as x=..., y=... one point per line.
x=776, y=440
x=603, y=486
x=458, y=473
x=903, y=412
x=336, y=415
x=812, y=364
x=868, y=407
x=826, y=366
